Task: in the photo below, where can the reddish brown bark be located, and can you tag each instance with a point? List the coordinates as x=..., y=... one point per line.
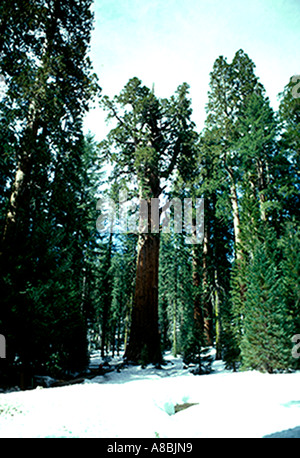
x=207, y=303
x=144, y=342
x=198, y=316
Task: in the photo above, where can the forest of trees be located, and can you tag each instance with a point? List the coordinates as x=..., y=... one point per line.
x=69, y=286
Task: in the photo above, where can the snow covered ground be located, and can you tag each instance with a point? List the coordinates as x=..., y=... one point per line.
x=140, y=403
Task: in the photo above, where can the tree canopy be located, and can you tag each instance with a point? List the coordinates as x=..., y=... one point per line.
x=70, y=285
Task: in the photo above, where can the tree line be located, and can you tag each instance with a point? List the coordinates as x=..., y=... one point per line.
x=66, y=287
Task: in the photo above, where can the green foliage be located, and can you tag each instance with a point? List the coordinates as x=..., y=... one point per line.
x=152, y=137
x=175, y=290
x=61, y=281
x=289, y=154
x=123, y=273
x=230, y=338
x=290, y=264
x=46, y=232
x=267, y=329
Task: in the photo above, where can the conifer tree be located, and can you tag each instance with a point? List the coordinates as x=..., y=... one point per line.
x=290, y=265
x=267, y=330
x=45, y=229
x=151, y=139
x=232, y=86
x=288, y=154
x=256, y=148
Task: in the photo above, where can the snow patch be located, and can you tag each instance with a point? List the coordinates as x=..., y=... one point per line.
x=140, y=403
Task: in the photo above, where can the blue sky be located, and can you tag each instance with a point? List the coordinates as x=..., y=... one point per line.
x=168, y=42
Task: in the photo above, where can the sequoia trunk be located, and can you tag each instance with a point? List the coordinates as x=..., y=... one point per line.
x=144, y=343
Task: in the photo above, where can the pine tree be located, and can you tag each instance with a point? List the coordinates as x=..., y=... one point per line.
x=290, y=265
x=266, y=344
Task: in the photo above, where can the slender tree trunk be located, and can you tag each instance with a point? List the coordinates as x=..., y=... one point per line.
x=175, y=312
x=107, y=297
x=83, y=289
x=175, y=328
x=119, y=335
x=164, y=323
x=236, y=216
x=207, y=305
x=113, y=339
x=261, y=189
x=127, y=323
x=14, y=201
x=198, y=315
x=217, y=317
x=19, y=195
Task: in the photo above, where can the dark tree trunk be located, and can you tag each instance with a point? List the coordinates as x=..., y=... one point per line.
x=198, y=315
x=217, y=318
x=107, y=297
x=144, y=343
x=19, y=195
x=175, y=311
x=207, y=300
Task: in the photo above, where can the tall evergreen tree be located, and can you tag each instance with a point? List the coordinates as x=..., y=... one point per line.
x=217, y=244
x=152, y=137
x=239, y=144
x=288, y=155
x=231, y=88
x=266, y=344
x=45, y=227
x=290, y=265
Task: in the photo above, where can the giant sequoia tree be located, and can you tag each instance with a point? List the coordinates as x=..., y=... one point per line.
x=44, y=227
x=232, y=85
x=151, y=140
x=239, y=154
x=49, y=81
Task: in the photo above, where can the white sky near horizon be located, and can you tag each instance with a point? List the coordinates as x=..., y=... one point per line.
x=168, y=42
